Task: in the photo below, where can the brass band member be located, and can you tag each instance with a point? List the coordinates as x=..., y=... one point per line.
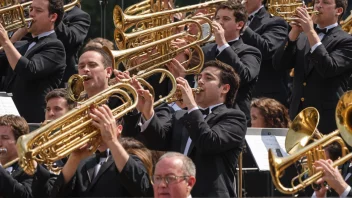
x=322, y=59
x=267, y=33
x=230, y=18
x=174, y=176
x=14, y=181
x=38, y=66
x=210, y=132
x=57, y=104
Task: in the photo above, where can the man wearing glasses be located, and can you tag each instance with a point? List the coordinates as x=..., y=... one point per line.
x=174, y=176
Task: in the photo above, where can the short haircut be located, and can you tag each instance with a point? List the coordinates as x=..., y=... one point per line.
x=60, y=93
x=227, y=76
x=18, y=124
x=106, y=58
x=57, y=6
x=240, y=12
x=100, y=41
x=275, y=114
x=334, y=150
x=341, y=4
x=188, y=167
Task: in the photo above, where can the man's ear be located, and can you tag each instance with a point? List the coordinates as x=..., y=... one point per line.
x=191, y=182
x=339, y=11
x=109, y=71
x=53, y=17
x=225, y=88
x=240, y=25
x=119, y=128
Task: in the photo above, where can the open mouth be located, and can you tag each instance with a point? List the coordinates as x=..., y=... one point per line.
x=86, y=77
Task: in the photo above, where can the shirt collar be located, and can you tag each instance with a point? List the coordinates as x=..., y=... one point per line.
x=329, y=26
x=211, y=107
x=45, y=34
x=255, y=12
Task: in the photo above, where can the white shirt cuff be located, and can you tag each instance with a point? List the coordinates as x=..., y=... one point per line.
x=195, y=108
x=314, y=47
x=146, y=123
x=223, y=47
x=345, y=193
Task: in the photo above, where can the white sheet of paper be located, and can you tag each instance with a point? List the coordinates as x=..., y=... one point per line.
x=260, y=144
x=7, y=106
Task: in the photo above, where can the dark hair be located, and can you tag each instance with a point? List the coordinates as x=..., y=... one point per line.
x=341, y=4
x=227, y=76
x=18, y=124
x=240, y=12
x=60, y=93
x=106, y=58
x=134, y=147
x=275, y=114
x=101, y=41
x=57, y=6
x=334, y=150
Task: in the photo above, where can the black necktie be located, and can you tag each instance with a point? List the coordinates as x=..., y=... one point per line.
x=205, y=111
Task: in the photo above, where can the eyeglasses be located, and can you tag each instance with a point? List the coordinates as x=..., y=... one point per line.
x=169, y=179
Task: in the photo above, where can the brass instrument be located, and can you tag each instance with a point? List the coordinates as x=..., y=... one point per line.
x=314, y=151
x=124, y=21
x=144, y=7
x=155, y=59
x=73, y=130
x=74, y=92
x=14, y=17
x=346, y=24
x=287, y=8
x=130, y=40
x=177, y=96
x=303, y=130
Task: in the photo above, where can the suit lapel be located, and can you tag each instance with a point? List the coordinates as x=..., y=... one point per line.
x=325, y=41
x=257, y=20
x=208, y=120
x=102, y=169
x=90, y=168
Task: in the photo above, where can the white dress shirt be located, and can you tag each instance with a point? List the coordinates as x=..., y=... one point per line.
x=40, y=36
x=321, y=36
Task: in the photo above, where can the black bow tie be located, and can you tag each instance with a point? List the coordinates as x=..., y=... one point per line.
x=103, y=154
x=250, y=18
x=32, y=40
x=324, y=30
x=205, y=111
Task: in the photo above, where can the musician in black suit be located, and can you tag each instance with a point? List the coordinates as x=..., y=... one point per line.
x=339, y=182
x=117, y=175
x=267, y=33
x=322, y=60
x=37, y=67
x=212, y=141
x=72, y=31
x=229, y=48
x=14, y=182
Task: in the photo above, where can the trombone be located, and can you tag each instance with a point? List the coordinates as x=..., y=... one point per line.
x=314, y=151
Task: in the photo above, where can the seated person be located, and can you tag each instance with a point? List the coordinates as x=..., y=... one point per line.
x=57, y=104
x=269, y=113
x=100, y=42
x=174, y=176
x=14, y=182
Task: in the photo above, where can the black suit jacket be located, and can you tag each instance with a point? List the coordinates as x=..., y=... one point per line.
x=72, y=31
x=109, y=182
x=38, y=71
x=18, y=184
x=321, y=77
x=268, y=33
x=246, y=61
x=216, y=144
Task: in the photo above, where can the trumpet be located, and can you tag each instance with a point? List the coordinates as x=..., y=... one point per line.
x=287, y=8
x=178, y=94
x=346, y=24
x=314, y=151
x=61, y=137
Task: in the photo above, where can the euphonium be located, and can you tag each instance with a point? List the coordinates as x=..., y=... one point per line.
x=287, y=8
x=14, y=16
x=124, y=21
x=134, y=39
x=73, y=130
x=75, y=85
x=314, y=151
x=346, y=24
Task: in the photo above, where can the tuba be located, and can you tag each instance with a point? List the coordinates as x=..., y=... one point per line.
x=314, y=151
x=287, y=8
x=61, y=137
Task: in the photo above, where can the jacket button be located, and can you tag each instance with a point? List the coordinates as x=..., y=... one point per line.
x=302, y=99
x=304, y=84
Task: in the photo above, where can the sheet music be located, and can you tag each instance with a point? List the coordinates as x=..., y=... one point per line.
x=7, y=106
x=260, y=145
